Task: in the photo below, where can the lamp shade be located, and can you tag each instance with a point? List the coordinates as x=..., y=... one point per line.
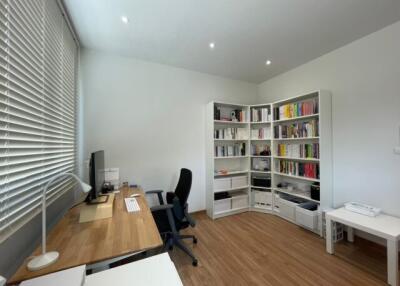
x=85, y=187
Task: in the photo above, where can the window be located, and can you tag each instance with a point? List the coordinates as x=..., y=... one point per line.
x=38, y=58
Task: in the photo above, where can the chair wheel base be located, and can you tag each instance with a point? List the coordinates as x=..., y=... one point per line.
x=194, y=263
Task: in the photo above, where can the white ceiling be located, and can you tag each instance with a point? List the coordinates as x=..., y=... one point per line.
x=246, y=32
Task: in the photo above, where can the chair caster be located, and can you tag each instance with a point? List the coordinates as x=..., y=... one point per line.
x=194, y=263
x=195, y=240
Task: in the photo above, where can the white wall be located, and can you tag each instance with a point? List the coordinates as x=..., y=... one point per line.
x=150, y=118
x=364, y=78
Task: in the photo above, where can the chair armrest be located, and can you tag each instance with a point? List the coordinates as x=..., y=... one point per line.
x=168, y=209
x=154, y=192
x=159, y=195
x=161, y=207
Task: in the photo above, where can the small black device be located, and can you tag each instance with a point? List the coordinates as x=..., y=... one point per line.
x=261, y=182
x=221, y=196
x=107, y=187
x=315, y=191
x=97, y=178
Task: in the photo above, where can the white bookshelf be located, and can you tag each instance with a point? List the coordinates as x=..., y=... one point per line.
x=245, y=165
x=233, y=166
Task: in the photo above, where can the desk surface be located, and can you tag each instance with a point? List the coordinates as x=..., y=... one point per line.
x=382, y=225
x=153, y=271
x=91, y=242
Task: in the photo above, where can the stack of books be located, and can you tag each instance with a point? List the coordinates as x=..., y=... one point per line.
x=261, y=133
x=298, y=150
x=297, y=109
x=236, y=115
x=230, y=150
x=308, y=170
x=297, y=130
x=260, y=115
x=231, y=133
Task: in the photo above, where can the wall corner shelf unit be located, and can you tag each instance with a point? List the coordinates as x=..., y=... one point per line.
x=271, y=158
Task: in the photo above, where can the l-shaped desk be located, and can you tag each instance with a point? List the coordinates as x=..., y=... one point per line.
x=98, y=242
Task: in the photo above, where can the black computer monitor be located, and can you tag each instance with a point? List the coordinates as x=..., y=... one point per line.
x=97, y=178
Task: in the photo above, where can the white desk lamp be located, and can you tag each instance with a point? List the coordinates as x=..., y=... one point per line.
x=47, y=258
x=2, y=281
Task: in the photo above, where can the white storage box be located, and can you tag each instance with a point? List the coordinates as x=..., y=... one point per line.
x=222, y=184
x=240, y=201
x=287, y=209
x=263, y=198
x=222, y=205
x=239, y=182
x=306, y=218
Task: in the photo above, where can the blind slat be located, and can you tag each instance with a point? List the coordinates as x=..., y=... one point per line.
x=37, y=108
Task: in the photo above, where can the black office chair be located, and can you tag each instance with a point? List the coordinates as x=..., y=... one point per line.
x=174, y=216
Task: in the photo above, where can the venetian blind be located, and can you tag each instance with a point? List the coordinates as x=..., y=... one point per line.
x=37, y=107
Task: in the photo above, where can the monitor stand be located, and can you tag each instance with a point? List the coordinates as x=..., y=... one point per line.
x=91, y=212
x=102, y=199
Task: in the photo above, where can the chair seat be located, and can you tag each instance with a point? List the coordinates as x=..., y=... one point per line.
x=162, y=222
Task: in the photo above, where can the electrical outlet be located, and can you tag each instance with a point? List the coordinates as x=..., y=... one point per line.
x=397, y=150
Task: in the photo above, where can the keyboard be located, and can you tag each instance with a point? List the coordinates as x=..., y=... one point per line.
x=132, y=205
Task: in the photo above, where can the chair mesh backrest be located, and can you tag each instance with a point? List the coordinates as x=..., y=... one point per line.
x=182, y=190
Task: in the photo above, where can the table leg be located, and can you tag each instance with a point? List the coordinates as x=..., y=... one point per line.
x=350, y=234
x=392, y=262
x=330, y=248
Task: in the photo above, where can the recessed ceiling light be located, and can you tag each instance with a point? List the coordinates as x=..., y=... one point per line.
x=124, y=19
x=212, y=45
x=268, y=62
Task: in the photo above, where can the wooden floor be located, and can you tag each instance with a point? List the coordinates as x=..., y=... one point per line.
x=260, y=249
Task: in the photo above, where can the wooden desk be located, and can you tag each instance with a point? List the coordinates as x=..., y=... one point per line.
x=384, y=226
x=92, y=242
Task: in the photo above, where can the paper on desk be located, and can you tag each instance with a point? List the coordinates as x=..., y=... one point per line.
x=111, y=174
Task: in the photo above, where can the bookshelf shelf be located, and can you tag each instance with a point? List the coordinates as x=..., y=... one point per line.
x=266, y=208
x=231, y=173
x=299, y=195
x=307, y=114
x=260, y=172
x=297, y=118
x=232, y=189
x=230, y=122
x=230, y=140
x=297, y=177
x=230, y=212
x=296, y=139
x=297, y=159
x=259, y=156
x=231, y=157
x=260, y=122
x=263, y=188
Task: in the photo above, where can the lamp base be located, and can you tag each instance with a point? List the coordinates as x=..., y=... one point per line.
x=42, y=261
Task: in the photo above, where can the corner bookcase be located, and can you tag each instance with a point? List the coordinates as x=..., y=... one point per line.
x=268, y=157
